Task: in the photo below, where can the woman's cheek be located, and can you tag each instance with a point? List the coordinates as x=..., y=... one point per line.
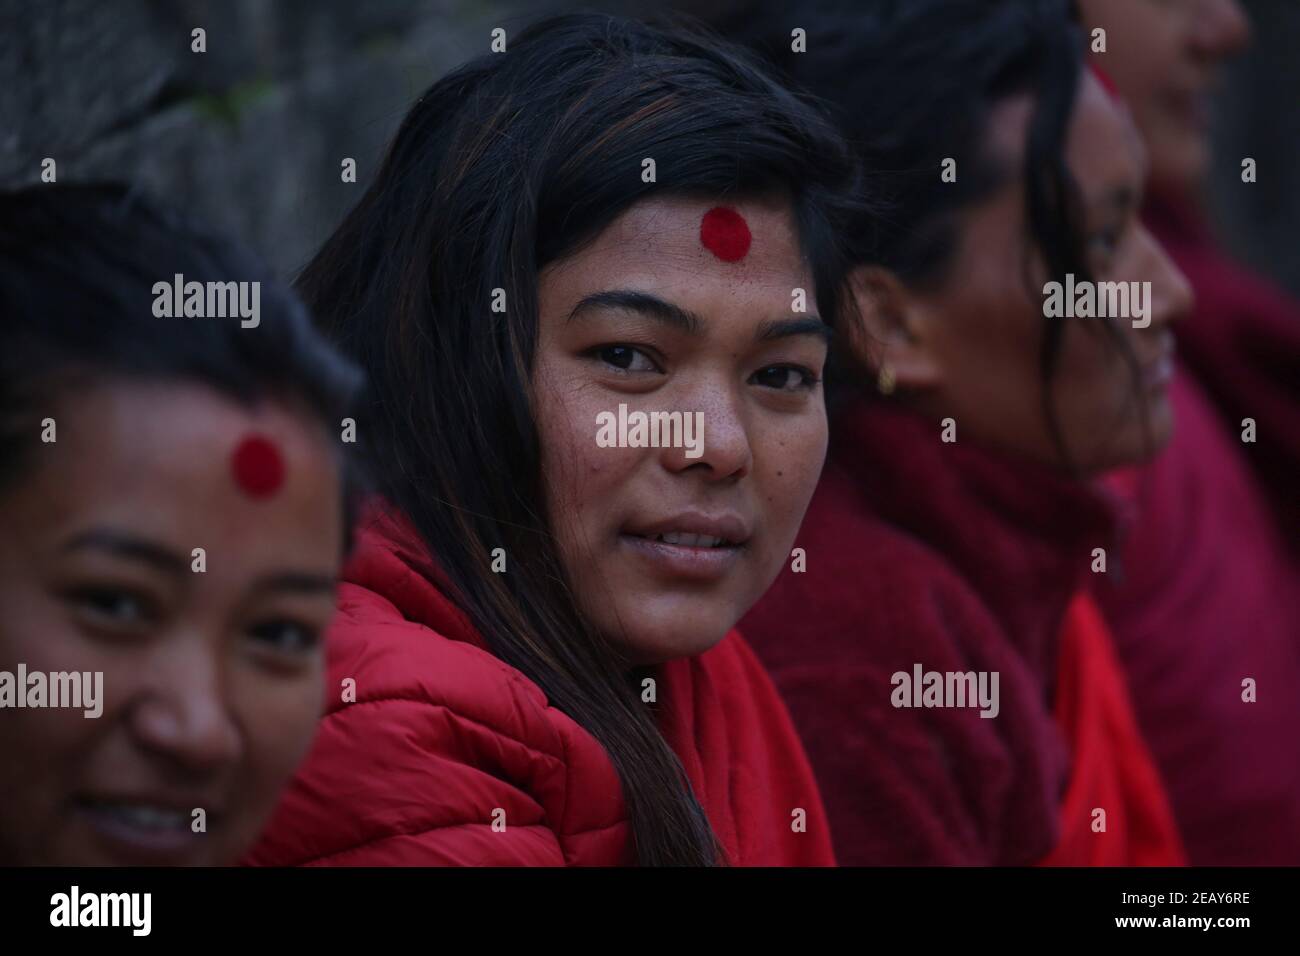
x=1095, y=373
x=279, y=715
x=568, y=467
x=807, y=454
x=568, y=448
x=796, y=458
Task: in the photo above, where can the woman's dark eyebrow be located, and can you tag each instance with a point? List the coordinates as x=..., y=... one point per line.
x=644, y=303
x=784, y=328
x=128, y=546
x=674, y=315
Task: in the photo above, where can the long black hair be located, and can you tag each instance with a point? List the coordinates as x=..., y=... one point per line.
x=912, y=82
x=78, y=264
x=509, y=163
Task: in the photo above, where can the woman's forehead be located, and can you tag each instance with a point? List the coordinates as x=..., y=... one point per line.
x=734, y=240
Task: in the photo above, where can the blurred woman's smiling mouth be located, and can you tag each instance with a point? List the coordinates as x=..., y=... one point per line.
x=149, y=829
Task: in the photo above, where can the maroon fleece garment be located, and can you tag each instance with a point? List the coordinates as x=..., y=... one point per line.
x=958, y=559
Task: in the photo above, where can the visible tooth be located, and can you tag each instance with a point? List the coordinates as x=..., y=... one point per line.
x=687, y=540
x=683, y=538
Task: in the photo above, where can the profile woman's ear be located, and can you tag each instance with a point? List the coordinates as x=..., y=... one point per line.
x=888, y=335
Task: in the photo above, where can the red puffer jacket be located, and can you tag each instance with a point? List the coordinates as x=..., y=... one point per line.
x=443, y=739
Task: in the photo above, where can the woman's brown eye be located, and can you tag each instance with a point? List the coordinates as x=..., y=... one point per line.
x=786, y=378
x=286, y=637
x=114, y=606
x=617, y=355
x=625, y=358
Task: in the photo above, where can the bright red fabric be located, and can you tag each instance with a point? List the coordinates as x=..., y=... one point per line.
x=442, y=734
x=1111, y=768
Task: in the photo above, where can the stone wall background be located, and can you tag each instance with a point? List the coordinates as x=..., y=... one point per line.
x=250, y=135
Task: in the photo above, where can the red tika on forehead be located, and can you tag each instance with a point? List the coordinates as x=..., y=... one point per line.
x=724, y=233
x=258, y=467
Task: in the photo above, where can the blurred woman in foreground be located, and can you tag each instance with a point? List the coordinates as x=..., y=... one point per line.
x=172, y=522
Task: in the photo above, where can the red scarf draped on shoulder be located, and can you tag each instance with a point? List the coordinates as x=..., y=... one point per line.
x=1115, y=812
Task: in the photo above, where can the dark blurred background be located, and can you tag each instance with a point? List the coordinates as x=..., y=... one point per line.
x=251, y=134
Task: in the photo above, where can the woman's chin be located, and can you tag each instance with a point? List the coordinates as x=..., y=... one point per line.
x=1148, y=438
x=649, y=638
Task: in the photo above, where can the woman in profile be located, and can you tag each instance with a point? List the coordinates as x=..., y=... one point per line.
x=1211, y=594
x=955, y=684
x=535, y=661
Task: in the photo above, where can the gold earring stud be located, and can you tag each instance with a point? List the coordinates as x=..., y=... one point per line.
x=885, y=380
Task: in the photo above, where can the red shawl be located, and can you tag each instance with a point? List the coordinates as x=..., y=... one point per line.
x=1112, y=768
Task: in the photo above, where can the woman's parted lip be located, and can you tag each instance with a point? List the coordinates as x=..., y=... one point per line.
x=1158, y=370
x=1158, y=374
x=147, y=828
x=156, y=810
x=693, y=530
x=680, y=562
x=167, y=801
